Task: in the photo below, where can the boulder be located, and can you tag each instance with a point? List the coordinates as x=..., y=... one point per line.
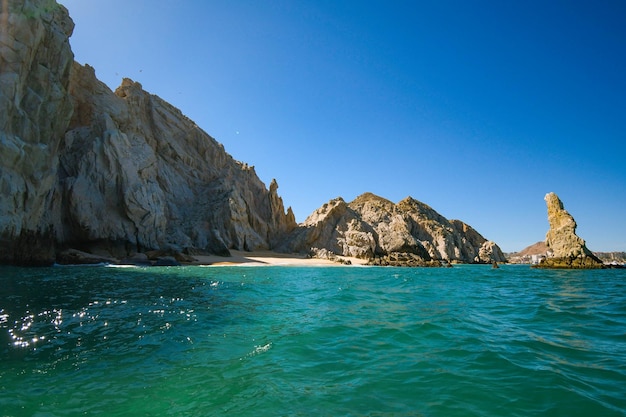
x=78, y=257
x=167, y=261
x=489, y=252
x=137, y=259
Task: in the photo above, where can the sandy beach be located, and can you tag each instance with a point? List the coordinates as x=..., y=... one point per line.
x=270, y=258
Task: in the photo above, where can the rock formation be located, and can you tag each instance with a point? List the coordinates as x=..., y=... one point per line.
x=135, y=170
x=110, y=173
x=568, y=250
x=35, y=108
x=406, y=233
x=91, y=175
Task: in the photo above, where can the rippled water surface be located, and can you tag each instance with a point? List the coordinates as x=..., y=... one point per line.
x=251, y=341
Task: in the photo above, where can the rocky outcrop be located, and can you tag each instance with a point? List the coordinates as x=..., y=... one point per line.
x=35, y=108
x=90, y=175
x=136, y=174
x=567, y=250
x=406, y=233
x=110, y=173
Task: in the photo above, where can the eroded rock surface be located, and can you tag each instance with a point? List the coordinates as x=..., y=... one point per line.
x=88, y=174
x=407, y=233
x=136, y=170
x=567, y=249
x=35, y=108
x=110, y=173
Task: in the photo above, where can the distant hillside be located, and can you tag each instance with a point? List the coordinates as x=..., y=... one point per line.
x=530, y=254
x=612, y=257
x=540, y=249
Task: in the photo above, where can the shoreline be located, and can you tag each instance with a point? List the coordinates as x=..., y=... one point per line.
x=269, y=258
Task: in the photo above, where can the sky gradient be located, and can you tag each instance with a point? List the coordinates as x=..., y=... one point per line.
x=476, y=108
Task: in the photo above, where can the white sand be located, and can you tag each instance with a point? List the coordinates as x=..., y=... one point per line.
x=269, y=258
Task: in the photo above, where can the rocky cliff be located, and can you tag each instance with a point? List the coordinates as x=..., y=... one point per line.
x=90, y=174
x=406, y=233
x=35, y=109
x=135, y=170
x=108, y=172
x=567, y=249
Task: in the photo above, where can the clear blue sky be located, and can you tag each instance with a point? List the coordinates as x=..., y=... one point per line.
x=476, y=108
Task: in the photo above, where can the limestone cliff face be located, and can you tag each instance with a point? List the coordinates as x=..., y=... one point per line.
x=568, y=250
x=110, y=172
x=135, y=171
x=35, y=108
x=409, y=232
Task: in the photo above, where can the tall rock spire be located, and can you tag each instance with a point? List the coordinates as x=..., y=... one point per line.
x=568, y=249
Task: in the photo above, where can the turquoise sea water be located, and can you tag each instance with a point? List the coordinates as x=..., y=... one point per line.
x=331, y=341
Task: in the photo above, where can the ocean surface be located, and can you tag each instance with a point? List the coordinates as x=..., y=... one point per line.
x=312, y=341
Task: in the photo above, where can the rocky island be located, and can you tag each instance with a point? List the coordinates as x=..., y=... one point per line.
x=89, y=174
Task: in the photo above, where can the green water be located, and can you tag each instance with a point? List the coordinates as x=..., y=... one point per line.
x=331, y=341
